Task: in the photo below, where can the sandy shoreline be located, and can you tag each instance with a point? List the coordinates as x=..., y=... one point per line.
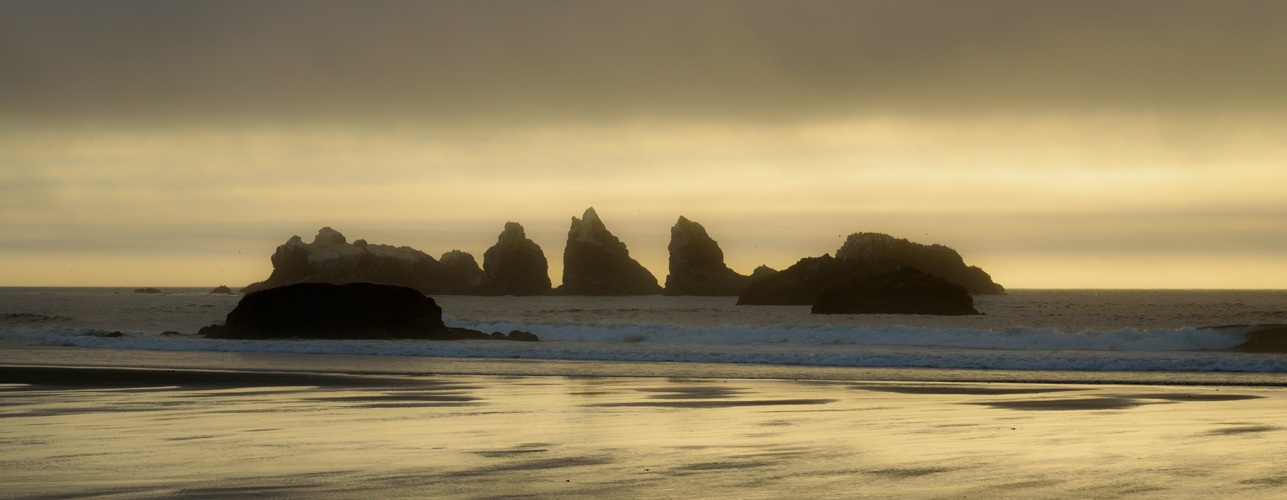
x=72, y=432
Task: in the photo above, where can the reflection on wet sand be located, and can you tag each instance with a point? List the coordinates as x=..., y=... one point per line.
x=70, y=433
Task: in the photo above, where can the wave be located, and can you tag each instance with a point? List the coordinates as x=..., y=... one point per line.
x=1127, y=339
x=21, y=319
x=767, y=350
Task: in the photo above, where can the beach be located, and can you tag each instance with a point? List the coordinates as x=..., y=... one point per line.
x=138, y=433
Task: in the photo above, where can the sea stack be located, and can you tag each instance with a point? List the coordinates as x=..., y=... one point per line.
x=331, y=259
x=934, y=259
x=697, y=264
x=515, y=265
x=596, y=263
x=904, y=291
x=806, y=280
x=464, y=266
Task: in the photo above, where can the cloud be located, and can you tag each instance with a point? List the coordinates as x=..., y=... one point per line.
x=453, y=61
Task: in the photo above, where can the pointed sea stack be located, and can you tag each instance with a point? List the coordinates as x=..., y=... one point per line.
x=596, y=263
x=464, y=265
x=515, y=265
x=331, y=259
x=934, y=259
x=697, y=264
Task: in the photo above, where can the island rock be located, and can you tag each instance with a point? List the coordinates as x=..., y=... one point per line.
x=596, y=263
x=904, y=291
x=697, y=264
x=221, y=289
x=515, y=265
x=802, y=283
x=348, y=311
x=330, y=259
x=934, y=259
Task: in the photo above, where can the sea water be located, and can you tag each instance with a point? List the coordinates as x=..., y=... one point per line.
x=1085, y=331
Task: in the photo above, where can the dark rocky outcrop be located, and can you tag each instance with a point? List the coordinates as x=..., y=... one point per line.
x=904, y=291
x=146, y=290
x=762, y=272
x=330, y=259
x=464, y=266
x=515, y=265
x=697, y=264
x=596, y=263
x=348, y=311
x=221, y=289
x=934, y=259
x=802, y=283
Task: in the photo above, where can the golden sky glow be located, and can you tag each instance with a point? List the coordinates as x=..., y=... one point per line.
x=1047, y=157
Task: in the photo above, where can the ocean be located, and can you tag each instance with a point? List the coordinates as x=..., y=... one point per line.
x=1051, y=394
x=1074, y=332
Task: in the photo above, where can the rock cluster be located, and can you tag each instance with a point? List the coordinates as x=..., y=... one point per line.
x=348, y=311
x=904, y=291
x=515, y=265
x=596, y=263
x=697, y=264
x=331, y=259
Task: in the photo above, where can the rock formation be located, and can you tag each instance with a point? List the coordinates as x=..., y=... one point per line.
x=697, y=264
x=146, y=290
x=464, y=266
x=330, y=259
x=221, y=289
x=348, y=311
x=802, y=283
x=933, y=259
x=905, y=291
x=596, y=263
x=762, y=272
x=515, y=265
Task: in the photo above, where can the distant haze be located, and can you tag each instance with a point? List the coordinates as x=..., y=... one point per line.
x=1055, y=144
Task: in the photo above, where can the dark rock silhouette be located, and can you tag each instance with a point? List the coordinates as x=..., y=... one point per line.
x=762, y=272
x=905, y=291
x=596, y=263
x=697, y=264
x=934, y=259
x=330, y=259
x=348, y=311
x=802, y=283
x=221, y=289
x=146, y=290
x=515, y=265
x=464, y=266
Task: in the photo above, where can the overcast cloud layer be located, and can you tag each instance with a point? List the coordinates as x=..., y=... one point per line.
x=575, y=60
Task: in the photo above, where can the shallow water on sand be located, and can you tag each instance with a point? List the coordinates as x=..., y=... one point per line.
x=122, y=433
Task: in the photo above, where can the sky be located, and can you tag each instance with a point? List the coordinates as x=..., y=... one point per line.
x=1059, y=144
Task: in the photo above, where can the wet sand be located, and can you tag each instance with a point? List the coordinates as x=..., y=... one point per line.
x=69, y=432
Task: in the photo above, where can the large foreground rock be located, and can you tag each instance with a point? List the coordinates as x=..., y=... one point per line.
x=348, y=311
x=331, y=259
x=934, y=259
x=515, y=265
x=596, y=263
x=802, y=283
x=697, y=264
x=905, y=291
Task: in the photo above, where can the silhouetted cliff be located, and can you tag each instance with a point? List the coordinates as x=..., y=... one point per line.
x=933, y=259
x=596, y=263
x=802, y=283
x=905, y=291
